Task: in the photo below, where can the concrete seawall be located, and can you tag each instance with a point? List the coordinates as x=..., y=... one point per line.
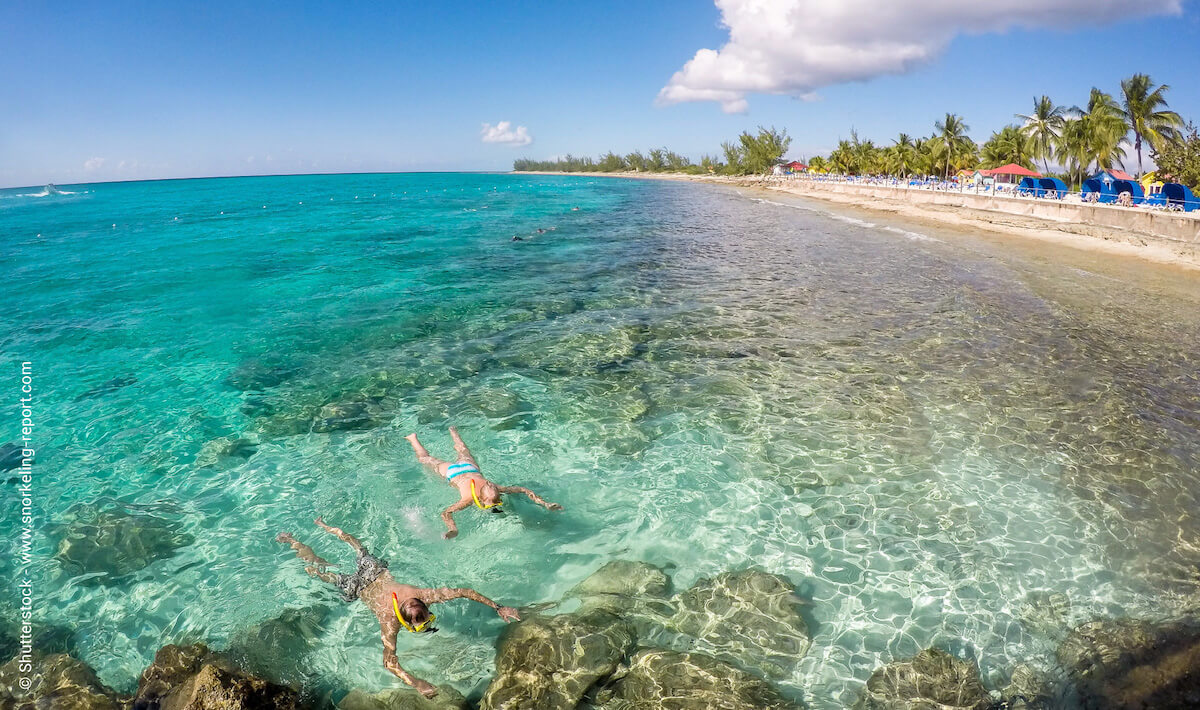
x=1176, y=227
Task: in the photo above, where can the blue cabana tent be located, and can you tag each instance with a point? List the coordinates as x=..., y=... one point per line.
x=1030, y=186
x=1103, y=188
x=1049, y=183
x=1178, y=194
x=1039, y=186
x=1133, y=187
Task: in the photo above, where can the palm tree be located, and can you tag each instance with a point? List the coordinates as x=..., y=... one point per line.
x=842, y=158
x=1146, y=115
x=902, y=157
x=1008, y=145
x=951, y=132
x=1106, y=129
x=1042, y=127
x=1073, y=147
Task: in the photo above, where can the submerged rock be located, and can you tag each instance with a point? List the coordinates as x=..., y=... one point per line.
x=195, y=678
x=625, y=578
x=59, y=682
x=226, y=448
x=10, y=457
x=930, y=680
x=1125, y=663
x=115, y=541
x=259, y=374
x=666, y=680
x=1027, y=690
x=635, y=591
x=404, y=699
x=749, y=618
x=277, y=648
x=550, y=662
x=112, y=385
x=1046, y=613
x=348, y=416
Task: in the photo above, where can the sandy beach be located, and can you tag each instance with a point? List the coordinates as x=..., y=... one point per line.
x=1090, y=238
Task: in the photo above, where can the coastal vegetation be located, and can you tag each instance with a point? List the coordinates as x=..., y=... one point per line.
x=748, y=154
x=1100, y=135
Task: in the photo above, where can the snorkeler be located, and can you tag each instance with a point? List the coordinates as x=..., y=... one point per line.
x=472, y=486
x=395, y=605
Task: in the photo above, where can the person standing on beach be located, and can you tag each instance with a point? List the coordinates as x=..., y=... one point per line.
x=396, y=605
x=472, y=487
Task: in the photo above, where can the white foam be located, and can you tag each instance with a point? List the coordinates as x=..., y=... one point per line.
x=915, y=236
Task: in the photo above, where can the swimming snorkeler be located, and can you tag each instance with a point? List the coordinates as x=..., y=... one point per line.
x=397, y=606
x=472, y=486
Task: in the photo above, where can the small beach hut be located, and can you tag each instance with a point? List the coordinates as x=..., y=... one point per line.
x=796, y=166
x=1011, y=174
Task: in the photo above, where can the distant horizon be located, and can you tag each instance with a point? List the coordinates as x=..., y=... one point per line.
x=261, y=175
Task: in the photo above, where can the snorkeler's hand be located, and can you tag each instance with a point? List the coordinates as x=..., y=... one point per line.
x=508, y=613
x=449, y=534
x=553, y=506
x=424, y=688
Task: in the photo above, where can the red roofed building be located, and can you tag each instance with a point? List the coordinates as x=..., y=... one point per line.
x=796, y=166
x=1010, y=174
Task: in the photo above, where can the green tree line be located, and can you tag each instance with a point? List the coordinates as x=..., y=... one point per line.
x=1081, y=139
x=748, y=154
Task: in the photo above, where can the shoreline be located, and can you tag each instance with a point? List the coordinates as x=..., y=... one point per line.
x=1089, y=238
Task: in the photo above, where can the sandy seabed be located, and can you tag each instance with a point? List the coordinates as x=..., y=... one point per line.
x=1089, y=238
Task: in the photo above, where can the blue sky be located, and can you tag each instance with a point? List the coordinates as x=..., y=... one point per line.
x=109, y=91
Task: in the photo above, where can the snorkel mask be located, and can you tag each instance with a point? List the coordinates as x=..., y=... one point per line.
x=481, y=506
x=423, y=626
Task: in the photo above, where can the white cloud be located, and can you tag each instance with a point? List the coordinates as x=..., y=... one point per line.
x=503, y=132
x=794, y=47
x=93, y=164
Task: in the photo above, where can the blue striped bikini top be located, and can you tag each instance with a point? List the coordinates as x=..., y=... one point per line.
x=458, y=469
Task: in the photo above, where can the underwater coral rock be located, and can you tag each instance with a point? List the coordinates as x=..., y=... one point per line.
x=549, y=663
x=1126, y=663
x=743, y=617
x=115, y=540
x=656, y=679
x=930, y=680
x=59, y=682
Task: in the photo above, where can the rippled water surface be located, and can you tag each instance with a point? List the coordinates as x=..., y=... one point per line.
x=923, y=431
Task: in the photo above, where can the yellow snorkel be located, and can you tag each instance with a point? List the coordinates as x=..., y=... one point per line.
x=479, y=505
x=400, y=617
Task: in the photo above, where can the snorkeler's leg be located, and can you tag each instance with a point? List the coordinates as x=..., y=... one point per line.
x=460, y=448
x=423, y=456
x=316, y=565
x=342, y=535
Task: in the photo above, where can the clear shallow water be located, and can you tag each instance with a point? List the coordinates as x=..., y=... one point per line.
x=918, y=429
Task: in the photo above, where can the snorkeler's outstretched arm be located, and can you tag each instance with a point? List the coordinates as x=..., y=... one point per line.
x=448, y=518
x=532, y=496
x=445, y=594
x=388, y=633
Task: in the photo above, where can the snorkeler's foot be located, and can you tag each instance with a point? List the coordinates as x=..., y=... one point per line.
x=285, y=537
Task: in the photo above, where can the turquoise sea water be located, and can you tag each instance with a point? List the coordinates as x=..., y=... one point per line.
x=920, y=429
